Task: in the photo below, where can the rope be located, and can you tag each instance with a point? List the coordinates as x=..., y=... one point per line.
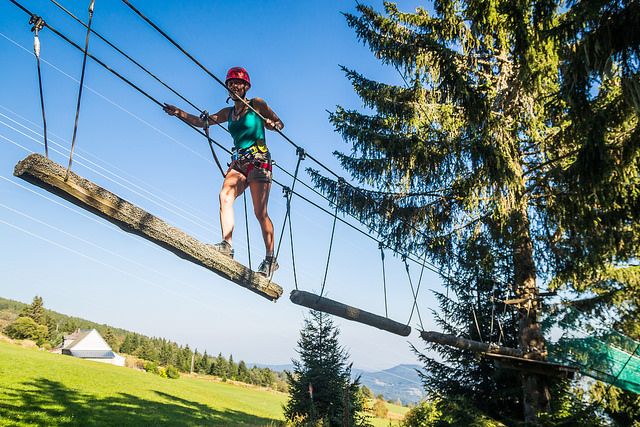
x=205, y=124
x=38, y=24
x=473, y=310
x=246, y=226
x=326, y=269
x=287, y=216
x=384, y=279
x=414, y=293
x=84, y=63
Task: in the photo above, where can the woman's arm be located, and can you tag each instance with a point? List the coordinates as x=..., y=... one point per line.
x=219, y=117
x=272, y=121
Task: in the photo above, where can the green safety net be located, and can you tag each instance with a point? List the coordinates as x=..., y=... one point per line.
x=600, y=352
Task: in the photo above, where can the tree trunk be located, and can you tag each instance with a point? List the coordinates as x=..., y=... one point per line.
x=531, y=340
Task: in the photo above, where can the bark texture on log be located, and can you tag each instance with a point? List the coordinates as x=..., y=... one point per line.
x=466, y=344
x=47, y=174
x=339, y=309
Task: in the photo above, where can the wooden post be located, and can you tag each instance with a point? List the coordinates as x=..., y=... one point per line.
x=466, y=344
x=44, y=173
x=327, y=305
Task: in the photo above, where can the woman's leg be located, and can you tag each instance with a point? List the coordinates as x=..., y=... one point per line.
x=234, y=185
x=260, y=197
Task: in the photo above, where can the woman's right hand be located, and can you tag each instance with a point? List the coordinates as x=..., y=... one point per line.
x=170, y=109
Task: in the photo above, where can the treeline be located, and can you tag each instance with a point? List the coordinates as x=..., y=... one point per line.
x=47, y=328
x=167, y=353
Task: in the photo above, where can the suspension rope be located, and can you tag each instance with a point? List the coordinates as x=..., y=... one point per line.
x=288, y=192
x=414, y=293
x=205, y=124
x=38, y=24
x=475, y=319
x=84, y=63
x=293, y=256
x=246, y=227
x=384, y=279
x=326, y=269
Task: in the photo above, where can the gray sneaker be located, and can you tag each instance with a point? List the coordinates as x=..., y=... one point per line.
x=223, y=247
x=267, y=268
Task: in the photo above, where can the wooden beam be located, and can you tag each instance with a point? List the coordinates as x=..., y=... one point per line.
x=465, y=344
x=534, y=366
x=47, y=174
x=339, y=309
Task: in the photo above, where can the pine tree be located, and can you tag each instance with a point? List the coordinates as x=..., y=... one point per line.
x=473, y=154
x=110, y=339
x=36, y=311
x=318, y=382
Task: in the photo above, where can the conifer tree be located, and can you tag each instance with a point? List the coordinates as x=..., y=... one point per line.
x=110, y=339
x=470, y=156
x=36, y=311
x=319, y=379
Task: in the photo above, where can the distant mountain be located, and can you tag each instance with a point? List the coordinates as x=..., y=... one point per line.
x=400, y=382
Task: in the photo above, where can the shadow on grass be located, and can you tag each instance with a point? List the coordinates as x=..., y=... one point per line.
x=46, y=402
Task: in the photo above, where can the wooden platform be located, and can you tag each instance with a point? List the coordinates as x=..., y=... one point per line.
x=506, y=357
x=534, y=366
x=339, y=309
x=47, y=174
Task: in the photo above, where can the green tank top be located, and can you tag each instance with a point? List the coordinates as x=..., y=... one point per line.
x=247, y=130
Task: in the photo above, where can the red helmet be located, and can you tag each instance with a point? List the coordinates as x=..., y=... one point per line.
x=238, y=73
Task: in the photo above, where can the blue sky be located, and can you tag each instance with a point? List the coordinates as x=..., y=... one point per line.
x=83, y=266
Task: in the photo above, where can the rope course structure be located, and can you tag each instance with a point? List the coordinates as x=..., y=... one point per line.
x=619, y=362
x=42, y=172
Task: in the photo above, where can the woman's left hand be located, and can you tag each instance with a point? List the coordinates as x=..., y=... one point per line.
x=271, y=125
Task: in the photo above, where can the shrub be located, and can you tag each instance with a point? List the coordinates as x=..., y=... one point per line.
x=27, y=328
x=172, y=372
x=151, y=367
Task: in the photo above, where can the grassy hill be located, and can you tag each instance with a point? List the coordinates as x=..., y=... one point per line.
x=40, y=388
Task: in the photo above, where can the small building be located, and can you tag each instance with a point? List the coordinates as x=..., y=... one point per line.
x=89, y=344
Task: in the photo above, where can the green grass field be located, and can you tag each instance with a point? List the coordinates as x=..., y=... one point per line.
x=38, y=388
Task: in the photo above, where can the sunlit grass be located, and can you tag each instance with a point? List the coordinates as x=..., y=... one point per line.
x=40, y=388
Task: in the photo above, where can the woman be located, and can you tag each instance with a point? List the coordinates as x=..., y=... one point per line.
x=251, y=160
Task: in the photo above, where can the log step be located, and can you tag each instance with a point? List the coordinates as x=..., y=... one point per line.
x=339, y=309
x=49, y=175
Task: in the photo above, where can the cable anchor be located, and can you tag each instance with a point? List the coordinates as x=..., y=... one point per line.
x=37, y=22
